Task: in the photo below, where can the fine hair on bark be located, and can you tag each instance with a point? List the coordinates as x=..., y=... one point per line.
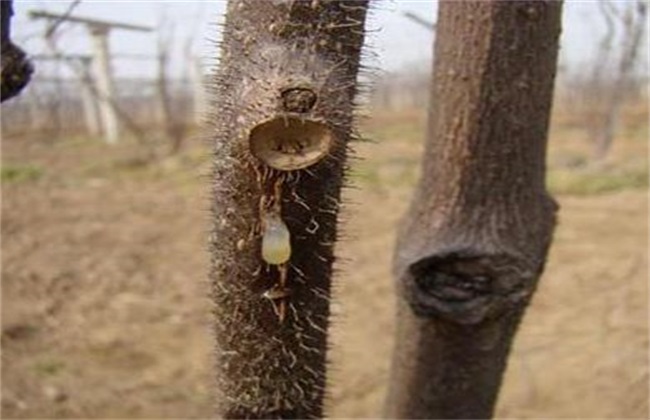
x=474, y=242
x=281, y=124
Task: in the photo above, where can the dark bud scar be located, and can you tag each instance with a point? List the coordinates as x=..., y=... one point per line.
x=298, y=100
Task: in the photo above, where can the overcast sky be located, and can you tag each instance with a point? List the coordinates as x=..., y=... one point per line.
x=395, y=41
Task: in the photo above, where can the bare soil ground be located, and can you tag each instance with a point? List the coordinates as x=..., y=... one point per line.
x=104, y=262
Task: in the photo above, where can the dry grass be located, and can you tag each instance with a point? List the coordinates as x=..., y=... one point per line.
x=104, y=266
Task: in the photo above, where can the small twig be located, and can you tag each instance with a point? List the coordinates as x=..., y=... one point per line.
x=420, y=20
x=55, y=25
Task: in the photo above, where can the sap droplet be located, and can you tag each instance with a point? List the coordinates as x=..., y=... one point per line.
x=276, y=240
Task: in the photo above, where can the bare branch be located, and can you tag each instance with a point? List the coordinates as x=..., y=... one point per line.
x=420, y=21
x=43, y=14
x=65, y=16
x=611, y=93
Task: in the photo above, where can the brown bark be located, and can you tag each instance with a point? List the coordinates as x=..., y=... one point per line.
x=474, y=241
x=282, y=124
x=16, y=68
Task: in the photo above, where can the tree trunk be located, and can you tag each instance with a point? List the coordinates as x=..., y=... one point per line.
x=16, y=69
x=171, y=125
x=282, y=125
x=634, y=23
x=475, y=239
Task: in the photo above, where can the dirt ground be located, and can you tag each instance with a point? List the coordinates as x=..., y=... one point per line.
x=104, y=262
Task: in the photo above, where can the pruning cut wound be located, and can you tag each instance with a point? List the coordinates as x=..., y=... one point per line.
x=289, y=143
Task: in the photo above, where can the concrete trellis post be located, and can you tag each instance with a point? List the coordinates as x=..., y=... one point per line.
x=105, y=86
x=99, y=31
x=88, y=101
x=82, y=66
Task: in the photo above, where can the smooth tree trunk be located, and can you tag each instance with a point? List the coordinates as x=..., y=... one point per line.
x=474, y=242
x=282, y=122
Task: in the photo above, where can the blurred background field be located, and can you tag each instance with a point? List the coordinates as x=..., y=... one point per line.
x=104, y=253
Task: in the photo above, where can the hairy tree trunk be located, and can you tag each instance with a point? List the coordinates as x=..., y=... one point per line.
x=16, y=70
x=283, y=121
x=474, y=242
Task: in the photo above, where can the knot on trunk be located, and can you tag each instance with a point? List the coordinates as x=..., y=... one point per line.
x=468, y=287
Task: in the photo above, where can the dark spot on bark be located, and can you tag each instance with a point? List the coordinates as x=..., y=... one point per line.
x=298, y=100
x=453, y=287
x=465, y=287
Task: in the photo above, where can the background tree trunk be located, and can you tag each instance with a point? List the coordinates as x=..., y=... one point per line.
x=633, y=22
x=283, y=121
x=16, y=69
x=474, y=241
x=171, y=125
